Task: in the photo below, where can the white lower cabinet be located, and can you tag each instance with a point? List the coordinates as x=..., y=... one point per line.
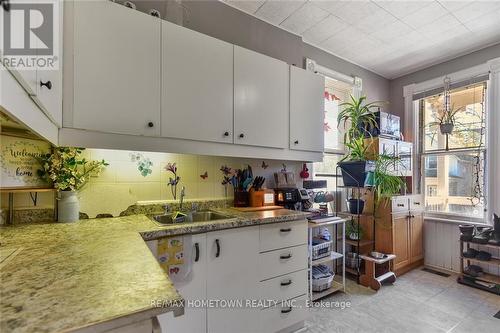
x=232, y=275
x=227, y=266
x=285, y=316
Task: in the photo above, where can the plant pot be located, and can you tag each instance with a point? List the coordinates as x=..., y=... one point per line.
x=68, y=206
x=356, y=206
x=357, y=173
x=446, y=128
x=354, y=236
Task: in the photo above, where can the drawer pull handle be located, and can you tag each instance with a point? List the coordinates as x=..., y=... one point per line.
x=217, y=254
x=417, y=203
x=286, y=230
x=286, y=310
x=286, y=256
x=286, y=283
x=197, y=252
x=401, y=205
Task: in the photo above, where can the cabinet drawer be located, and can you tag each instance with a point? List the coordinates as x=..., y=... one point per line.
x=280, y=235
x=416, y=202
x=284, y=287
x=284, y=315
x=399, y=204
x=280, y=262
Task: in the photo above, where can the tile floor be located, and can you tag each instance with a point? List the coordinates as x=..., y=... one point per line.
x=418, y=302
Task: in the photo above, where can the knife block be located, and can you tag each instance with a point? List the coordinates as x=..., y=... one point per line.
x=241, y=199
x=256, y=198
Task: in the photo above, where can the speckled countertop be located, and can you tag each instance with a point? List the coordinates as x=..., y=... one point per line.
x=72, y=276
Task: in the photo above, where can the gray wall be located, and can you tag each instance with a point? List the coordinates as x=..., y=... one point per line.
x=454, y=65
x=224, y=22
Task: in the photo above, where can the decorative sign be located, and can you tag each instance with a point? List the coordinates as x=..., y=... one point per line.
x=19, y=163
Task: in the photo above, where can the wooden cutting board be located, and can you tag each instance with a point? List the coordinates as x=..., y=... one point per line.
x=257, y=209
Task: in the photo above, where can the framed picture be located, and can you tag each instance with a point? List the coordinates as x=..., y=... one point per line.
x=19, y=162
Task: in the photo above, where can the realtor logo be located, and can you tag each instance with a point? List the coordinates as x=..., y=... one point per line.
x=30, y=34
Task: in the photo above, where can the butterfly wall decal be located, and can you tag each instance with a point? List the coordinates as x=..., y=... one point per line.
x=264, y=165
x=205, y=175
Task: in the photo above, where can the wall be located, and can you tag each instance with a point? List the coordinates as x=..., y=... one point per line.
x=455, y=65
x=224, y=22
x=121, y=184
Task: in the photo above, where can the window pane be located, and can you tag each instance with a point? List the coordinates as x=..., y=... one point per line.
x=454, y=184
x=327, y=167
x=336, y=93
x=469, y=119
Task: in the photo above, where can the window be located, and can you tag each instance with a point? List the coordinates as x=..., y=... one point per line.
x=453, y=165
x=336, y=92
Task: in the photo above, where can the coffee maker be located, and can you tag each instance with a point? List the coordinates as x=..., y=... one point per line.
x=290, y=198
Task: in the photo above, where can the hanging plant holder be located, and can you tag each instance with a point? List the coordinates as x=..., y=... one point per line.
x=446, y=128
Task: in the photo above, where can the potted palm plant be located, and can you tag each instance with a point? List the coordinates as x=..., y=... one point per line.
x=385, y=184
x=69, y=172
x=356, y=118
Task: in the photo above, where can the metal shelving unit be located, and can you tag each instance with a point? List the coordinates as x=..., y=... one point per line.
x=359, y=243
x=335, y=255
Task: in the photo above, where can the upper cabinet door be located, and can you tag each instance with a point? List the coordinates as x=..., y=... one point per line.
x=307, y=110
x=260, y=100
x=197, y=86
x=116, y=69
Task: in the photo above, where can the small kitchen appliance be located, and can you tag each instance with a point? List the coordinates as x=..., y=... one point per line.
x=290, y=198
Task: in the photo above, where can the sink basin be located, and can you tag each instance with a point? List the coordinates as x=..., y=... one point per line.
x=198, y=216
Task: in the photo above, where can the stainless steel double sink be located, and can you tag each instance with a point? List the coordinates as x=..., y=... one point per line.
x=190, y=217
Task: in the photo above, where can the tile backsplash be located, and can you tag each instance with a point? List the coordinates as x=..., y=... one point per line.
x=141, y=176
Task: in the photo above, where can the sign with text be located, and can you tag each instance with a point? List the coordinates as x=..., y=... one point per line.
x=19, y=162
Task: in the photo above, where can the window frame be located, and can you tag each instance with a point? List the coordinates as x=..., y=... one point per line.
x=412, y=130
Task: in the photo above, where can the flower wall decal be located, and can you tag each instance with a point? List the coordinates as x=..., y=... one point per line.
x=172, y=182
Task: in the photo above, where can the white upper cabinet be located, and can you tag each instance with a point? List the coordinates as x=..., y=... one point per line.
x=260, y=100
x=307, y=110
x=197, y=86
x=116, y=69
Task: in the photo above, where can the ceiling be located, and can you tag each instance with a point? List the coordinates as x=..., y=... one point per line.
x=391, y=38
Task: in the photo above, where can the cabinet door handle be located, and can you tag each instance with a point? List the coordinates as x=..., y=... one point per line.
x=217, y=254
x=416, y=203
x=296, y=142
x=400, y=205
x=226, y=133
x=286, y=230
x=242, y=135
x=47, y=84
x=197, y=252
x=151, y=124
x=287, y=310
x=286, y=256
x=286, y=283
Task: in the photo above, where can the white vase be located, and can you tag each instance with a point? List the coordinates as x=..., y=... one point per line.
x=68, y=207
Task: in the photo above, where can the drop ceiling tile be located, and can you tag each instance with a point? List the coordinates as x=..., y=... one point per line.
x=425, y=15
x=329, y=5
x=442, y=24
x=377, y=20
x=323, y=30
x=356, y=11
x=304, y=18
x=248, y=6
x=453, y=5
x=401, y=9
x=276, y=11
x=488, y=21
x=476, y=9
x=392, y=31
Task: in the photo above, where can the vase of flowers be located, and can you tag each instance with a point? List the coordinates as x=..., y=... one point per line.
x=69, y=172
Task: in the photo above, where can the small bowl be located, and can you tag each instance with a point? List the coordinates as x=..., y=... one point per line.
x=377, y=255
